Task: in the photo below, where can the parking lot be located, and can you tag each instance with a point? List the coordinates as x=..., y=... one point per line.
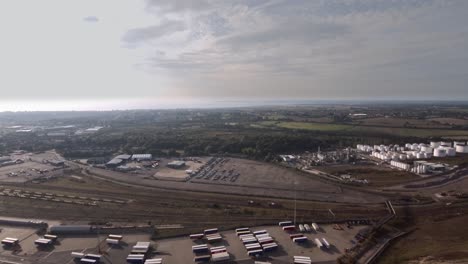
x=179, y=249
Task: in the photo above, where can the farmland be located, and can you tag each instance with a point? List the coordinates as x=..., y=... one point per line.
x=361, y=129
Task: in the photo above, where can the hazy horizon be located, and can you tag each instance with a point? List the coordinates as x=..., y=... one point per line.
x=198, y=103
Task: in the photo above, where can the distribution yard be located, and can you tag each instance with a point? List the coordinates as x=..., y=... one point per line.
x=174, y=250
x=253, y=178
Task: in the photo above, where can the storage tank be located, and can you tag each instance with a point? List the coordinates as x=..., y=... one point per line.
x=427, y=149
x=450, y=152
x=440, y=152
x=435, y=144
x=446, y=144
x=461, y=149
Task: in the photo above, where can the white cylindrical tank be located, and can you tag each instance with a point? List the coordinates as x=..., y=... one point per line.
x=450, y=152
x=446, y=144
x=461, y=149
x=440, y=152
x=427, y=149
x=435, y=144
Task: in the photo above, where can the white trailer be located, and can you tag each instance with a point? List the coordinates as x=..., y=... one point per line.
x=10, y=241
x=43, y=242
x=259, y=232
x=220, y=256
x=315, y=227
x=88, y=261
x=51, y=237
x=318, y=243
x=285, y=223
x=301, y=228
x=77, y=255
x=112, y=241
x=210, y=231
x=154, y=261
x=118, y=237
x=325, y=243
x=307, y=227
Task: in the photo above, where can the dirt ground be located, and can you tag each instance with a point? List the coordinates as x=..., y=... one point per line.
x=376, y=175
x=441, y=239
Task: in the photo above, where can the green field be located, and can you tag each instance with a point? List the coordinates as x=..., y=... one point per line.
x=404, y=132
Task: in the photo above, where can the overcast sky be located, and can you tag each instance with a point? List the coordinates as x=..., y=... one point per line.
x=311, y=49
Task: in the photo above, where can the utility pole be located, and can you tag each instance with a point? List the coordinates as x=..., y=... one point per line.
x=98, y=240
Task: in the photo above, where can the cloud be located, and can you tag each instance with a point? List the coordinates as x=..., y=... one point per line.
x=166, y=27
x=91, y=19
x=315, y=45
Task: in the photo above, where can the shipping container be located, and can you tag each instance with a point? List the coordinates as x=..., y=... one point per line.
x=154, y=261
x=43, y=242
x=295, y=235
x=301, y=228
x=318, y=243
x=240, y=233
x=259, y=232
x=210, y=231
x=112, y=241
x=300, y=239
x=220, y=256
x=285, y=223
x=9, y=242
x=93, y=256
x=51, y=237
x=196, y=236
x=77, y=255
x=270, y=247
x=88, y=260
x=204, y=258
x=117, y=237
x=315, y=227
x=325, y=243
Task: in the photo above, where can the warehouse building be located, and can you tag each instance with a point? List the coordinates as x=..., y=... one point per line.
x=176, y=164
x=123, y=157
x=113, y=163
x=140, y=157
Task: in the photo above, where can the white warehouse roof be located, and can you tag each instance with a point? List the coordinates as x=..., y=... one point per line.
x=142, y=156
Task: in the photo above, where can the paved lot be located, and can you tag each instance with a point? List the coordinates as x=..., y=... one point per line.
x=176, y=250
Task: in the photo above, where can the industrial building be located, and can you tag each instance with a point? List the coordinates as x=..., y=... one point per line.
x=57, y=163
x=140, y=157
x=123, y=157
x=114, y=163
x=177, y=164
x=415, y=151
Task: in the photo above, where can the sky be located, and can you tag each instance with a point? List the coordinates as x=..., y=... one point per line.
x=64, y=54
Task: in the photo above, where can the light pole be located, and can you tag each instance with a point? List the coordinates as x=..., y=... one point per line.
x=295, y=199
